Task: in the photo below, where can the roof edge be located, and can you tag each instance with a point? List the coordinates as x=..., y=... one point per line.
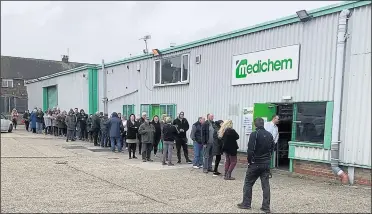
x=255, y=28
x=81, y=68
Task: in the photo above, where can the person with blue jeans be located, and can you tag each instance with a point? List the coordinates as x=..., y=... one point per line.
x=39, y=121
x=196, y=136
x=115, y=126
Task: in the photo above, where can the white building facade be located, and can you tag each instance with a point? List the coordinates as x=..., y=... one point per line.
x=285, y=67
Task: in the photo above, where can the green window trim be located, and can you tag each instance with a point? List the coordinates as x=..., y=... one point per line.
x=93, y=90
x=327, y=129
x=128, y=110
x=169, y=109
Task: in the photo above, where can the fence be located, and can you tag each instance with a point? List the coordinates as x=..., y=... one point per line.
x=8, y=103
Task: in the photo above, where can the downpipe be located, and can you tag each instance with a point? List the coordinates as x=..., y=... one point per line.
x=104, y=88
x=337, y=95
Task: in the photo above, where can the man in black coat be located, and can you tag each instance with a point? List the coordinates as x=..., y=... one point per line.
x=182, y=126
x=96, y=125
x=260, y=148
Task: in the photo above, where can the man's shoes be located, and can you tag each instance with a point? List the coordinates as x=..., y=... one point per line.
x=241, y=206
x=265, y=211
x=170, y=164
x=189, y=161
x=216, y=173
x=144, y=160
x=179, y=161
x=163, y=163
x=149, y=160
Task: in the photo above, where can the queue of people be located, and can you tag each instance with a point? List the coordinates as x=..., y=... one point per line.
x=211, y=139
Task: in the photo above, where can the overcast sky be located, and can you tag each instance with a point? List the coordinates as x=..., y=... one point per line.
x=111, y=30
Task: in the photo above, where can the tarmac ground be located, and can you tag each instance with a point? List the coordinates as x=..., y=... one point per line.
x=46, y=174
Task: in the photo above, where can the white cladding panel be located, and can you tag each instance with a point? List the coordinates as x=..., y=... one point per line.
x=72, y=91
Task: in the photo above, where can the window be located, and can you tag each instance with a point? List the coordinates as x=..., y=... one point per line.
x=7, y=83
x=310, y=122
x=169, y=110
x=145, y=108
x=159, y=109
x=128, y=110
x=172, y=70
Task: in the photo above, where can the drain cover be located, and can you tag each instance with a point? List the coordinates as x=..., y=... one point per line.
x=74, y=147
x=61, y=162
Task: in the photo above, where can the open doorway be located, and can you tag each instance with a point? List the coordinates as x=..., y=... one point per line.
x=285, y=113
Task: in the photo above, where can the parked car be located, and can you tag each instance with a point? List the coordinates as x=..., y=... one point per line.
x=6, y=124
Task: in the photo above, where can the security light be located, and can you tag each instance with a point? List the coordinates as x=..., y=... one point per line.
x=303, y=15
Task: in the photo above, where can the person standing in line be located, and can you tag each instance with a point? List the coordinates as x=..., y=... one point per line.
x=89, y=128
x=14, y=116
x=147, y=132
x=141, y=121
x=33, y=120
x=48, y=122
x=132, y=140
x=77, y=125
x=83, y=125
x=54, y=121
x=104, y=130
x=39, y=121
x=196, y=137
x=230, y=147
x=157, y=135
x=162, y=122
x=115, y=126
x=182, y=125
x=124, y=134
x=96, y=127
x=26, y=118
x=208, y=139
x=260, y=147
x=71, y=125
x=217, y=148
x=170, y=134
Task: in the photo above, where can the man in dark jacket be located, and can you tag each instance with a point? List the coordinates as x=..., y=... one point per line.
x=196, y=136
x=115, y=126
x=260, y=148
x=182, y=126
x=77, y=125
x=82, y=118
x=104, y=130
x=208, y=130
x=141, y=121
x=71, y=125
x=96, y=125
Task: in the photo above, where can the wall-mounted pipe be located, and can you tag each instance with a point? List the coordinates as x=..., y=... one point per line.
x=104, y=88
x=337, y=95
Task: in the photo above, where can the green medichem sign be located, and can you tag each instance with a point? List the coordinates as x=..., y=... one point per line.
x=279, y=64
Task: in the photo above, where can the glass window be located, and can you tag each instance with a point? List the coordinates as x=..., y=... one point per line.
x=172, y=70
x=3, y=117
x=125, y=111
x=157, y=72
x=310, y=122
x=185, y=67
x=7, y=83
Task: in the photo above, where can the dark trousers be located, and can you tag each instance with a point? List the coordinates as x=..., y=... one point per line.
x=230, y=163
x=83, y=132
x=70, y=134
x=146, y=153
x=14, y=123
x=182, y=143
x=104, y=139
x=95, y=137
x=27, y=125
x=132, y=149
x=254, y=172
x=216, y=163
x=156, y=144
x=140, y=147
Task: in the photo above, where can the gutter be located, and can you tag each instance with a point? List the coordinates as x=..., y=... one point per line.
x=337, y=95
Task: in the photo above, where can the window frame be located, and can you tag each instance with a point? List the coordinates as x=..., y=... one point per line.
x=7, y=83
x=187, y=81
x=127, y=113
x=326, y=144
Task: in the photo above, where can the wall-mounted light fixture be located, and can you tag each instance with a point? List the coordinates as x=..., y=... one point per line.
x=304, y=16
x=139, y=67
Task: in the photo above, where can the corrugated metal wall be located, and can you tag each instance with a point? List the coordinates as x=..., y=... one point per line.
x=210, y=89
x=356, y=109
x=72, y=91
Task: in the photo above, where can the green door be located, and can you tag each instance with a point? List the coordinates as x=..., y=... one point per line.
x=52, y=96
x=155, y=110
x=266, y=111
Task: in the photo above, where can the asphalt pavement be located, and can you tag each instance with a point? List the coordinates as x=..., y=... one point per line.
x=45, y=174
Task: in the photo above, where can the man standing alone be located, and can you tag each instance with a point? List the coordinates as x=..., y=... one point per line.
x=260, y=148
x=181, y=141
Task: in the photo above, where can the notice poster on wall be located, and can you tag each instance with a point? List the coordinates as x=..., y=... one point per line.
x=248, y=120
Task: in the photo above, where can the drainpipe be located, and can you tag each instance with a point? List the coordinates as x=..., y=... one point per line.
x=337, y=95
x=104, y=88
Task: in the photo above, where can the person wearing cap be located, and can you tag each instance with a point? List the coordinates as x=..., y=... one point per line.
x=182, y=126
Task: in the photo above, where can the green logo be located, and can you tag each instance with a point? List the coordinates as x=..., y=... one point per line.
x=244, y=68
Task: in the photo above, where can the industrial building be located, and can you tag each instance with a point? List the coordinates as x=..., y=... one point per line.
x=313, y=69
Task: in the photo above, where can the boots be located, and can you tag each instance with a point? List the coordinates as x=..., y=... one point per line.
x=228, y=176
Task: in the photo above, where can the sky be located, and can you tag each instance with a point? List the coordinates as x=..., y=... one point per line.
x=92, y=31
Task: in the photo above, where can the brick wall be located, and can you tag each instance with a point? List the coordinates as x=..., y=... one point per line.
x=362, y=176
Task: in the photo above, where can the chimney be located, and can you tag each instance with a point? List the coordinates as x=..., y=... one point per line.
x=65, y=58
